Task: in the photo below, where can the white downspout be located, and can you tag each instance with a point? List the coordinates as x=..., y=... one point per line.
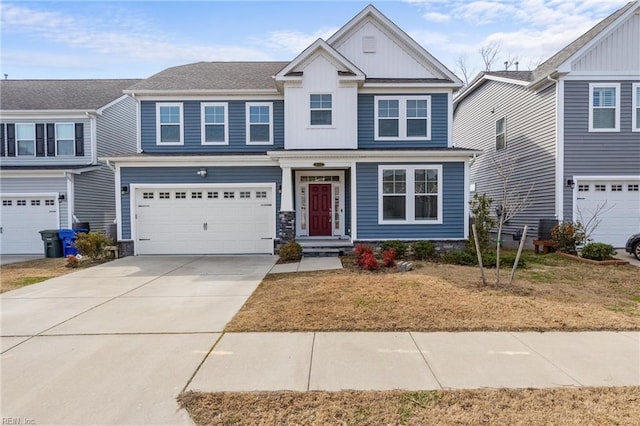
x=559, y=117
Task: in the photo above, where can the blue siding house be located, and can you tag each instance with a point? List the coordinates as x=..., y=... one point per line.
x=350, y=141
x=572, y=125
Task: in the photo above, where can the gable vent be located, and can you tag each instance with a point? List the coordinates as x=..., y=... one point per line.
x=368, y=44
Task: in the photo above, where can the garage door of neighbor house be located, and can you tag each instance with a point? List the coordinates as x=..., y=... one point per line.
x=211, y=220
x=620, y=204
x=21, y=218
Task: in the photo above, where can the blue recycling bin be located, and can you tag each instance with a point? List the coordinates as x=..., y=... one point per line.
x=68, y=238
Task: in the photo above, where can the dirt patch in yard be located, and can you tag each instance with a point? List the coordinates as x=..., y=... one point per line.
x=602, y=406
x=554, y=294
x=17, y=275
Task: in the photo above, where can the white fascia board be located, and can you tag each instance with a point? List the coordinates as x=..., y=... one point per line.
x=507, y=80
x=226, y=96
x=232, y=160
x=606, y=177
x=396, y=90
x=479, y=82
x=606, y=76
x=400, y=85
x=51, y=114
x=44, y=173
x=375, y=156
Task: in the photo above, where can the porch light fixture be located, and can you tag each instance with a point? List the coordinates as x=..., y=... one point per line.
x=571, y=183
x=124, y=189
x=61, y=196
x=202, y=173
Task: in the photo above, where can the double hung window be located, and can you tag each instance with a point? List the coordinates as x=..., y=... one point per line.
x=65, y=139
x=402, y=117
x=215, y=128
x=259, y=123
x=410, y=194
x=604, y=107
x=169, y=127
x=320, y=110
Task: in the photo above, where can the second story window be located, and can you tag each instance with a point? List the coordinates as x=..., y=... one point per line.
x=26, y=139
x=501, y=133
x=635, y=113
x=604, y=111
x=402, y=117
x=320, y=109
x=65, y=139
x=215, y=129
x=259, y=123
x=169, y=127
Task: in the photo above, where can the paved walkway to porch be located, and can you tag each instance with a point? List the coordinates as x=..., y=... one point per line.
x=308, y=264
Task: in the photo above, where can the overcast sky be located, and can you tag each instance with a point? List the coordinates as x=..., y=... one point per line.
x=124, y=39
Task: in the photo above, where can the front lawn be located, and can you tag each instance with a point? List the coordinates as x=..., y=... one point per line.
x=585, y=406
x=551, y=293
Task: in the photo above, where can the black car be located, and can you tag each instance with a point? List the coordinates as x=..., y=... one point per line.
x=633, y=245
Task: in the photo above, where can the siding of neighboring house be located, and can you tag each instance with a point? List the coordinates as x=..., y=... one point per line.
x=10, y=186
x=439, y=124
x=453, y=207
x=192, y=129
x=596, y=153
x=47, y=160
x=187, y=175
x=116, y=134
x=530, y=139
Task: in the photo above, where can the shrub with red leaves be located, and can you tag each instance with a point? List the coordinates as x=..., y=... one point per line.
x=389, y=258
x=362, y=250
x=369, y=262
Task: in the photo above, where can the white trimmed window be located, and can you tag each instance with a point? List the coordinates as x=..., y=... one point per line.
x=635, y=112
x=402, y=117
x=259, y=123
x=410, y=194
x=501, y=133
x=169, y=124
x=26, y=139
x=215, y=123
x=604, y=107
x=320, y=106
x=65, y=139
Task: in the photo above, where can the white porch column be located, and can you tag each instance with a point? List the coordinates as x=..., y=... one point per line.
x=286, y=193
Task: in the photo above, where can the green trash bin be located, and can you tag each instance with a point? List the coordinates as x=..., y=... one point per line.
x=52, y=243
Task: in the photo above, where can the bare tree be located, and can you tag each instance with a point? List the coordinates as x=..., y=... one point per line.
x=592, y=221
x=462, y=64
x=509, y=201
x=489, y=52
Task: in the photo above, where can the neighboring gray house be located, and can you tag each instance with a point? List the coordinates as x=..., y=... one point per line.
x=572, y=126
x=52, y=133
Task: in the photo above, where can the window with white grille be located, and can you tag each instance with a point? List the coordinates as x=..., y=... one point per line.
x=147, y=195
x=181, y=195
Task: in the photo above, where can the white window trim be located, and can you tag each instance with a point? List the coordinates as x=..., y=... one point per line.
x=158, y=124
x=402, y=118
x=73, y=126
x=322, y=126
x=617, y=109
x=248, y=122
x=410, y=195
x=504, y=117
x=635, y=104
x=203, y=128
x=17, y=140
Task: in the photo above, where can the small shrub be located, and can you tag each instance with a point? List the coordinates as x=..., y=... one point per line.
x=92, y=244
x=424, y=250
x=401, y=248
x=361, y=252
x=291, y=251
x=481, y=212
x=369, y=262
x=72, y=261
x=598, y=251
x=568, y=236
x=459, y=258
x=389, y=258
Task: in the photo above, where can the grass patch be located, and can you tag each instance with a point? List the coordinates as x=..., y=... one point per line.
x=567, y=406
x=554, y=294
x=22, y=281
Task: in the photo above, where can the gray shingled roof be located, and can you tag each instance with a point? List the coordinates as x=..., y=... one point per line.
x=204, y=76
x=514, y=75
x=551, y=64
x=60, y=94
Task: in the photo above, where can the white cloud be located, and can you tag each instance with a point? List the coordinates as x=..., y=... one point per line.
x=436, y=17
x=294, y=41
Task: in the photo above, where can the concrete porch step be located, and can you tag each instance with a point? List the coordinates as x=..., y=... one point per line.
x=321, y=252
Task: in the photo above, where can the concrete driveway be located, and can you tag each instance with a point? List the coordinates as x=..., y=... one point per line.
x=115, y=344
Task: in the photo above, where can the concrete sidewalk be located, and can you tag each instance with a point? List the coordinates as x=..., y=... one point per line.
x=419, y=361
x=308, y=264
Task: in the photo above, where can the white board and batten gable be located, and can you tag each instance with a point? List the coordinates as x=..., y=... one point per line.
x=370, y=53
x=321, y=71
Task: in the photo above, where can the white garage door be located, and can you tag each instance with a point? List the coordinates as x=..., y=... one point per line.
x=620, y=205
x=21, y=218
x=212, y=220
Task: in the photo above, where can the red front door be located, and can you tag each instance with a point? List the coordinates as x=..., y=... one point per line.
x=320, y=223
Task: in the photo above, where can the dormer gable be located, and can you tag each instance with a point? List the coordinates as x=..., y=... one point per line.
x=382, y=51
x=345, y=71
